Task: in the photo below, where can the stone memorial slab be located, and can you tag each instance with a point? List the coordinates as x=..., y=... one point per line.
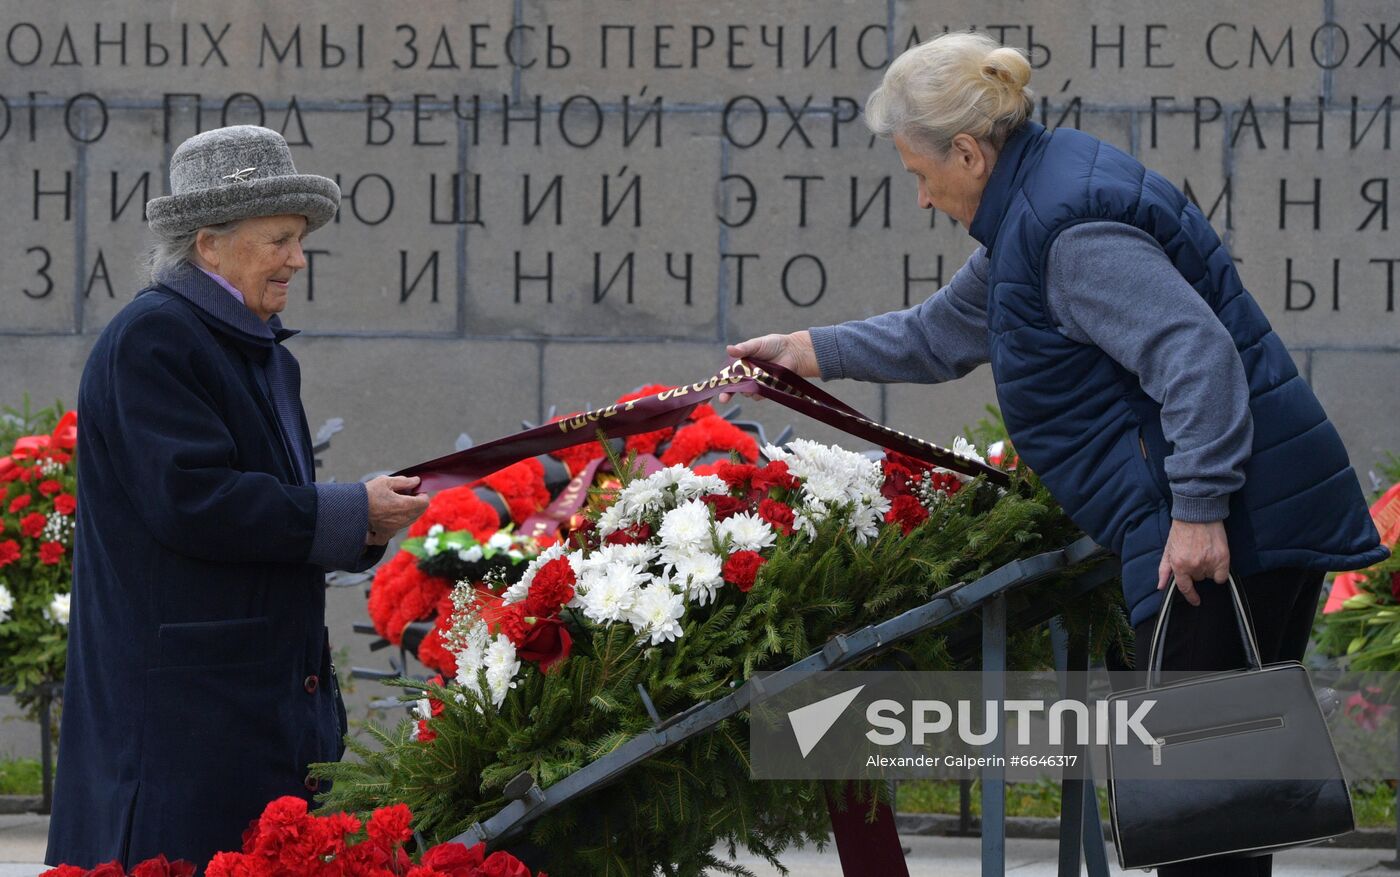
x=708, y=53
x=1356, y=388
x=612, y=240
x=405, y=400
x=45, y=196
x=237, y=54
x=1121, y=54
x=1363, y=51
x=1318, y=249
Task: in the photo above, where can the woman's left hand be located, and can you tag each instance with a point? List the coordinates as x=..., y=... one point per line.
x=1194, y=552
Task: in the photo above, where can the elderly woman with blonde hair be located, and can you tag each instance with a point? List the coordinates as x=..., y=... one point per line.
x=1137, y=376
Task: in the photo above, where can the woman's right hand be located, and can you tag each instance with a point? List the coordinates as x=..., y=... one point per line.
x=392, y=506
x=792, y=351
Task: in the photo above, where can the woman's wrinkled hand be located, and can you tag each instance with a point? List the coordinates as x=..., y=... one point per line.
x=792, y=351
x=391, y=506
x=1194, y=552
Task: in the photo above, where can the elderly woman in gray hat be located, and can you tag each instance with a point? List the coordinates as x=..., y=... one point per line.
x=199, y=681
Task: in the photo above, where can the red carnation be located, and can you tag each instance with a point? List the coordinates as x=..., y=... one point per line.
x=507, y=619
x=65, y=871
x=108, y=869
x=775, y=474
x=65, y=504
x=9, y=552
x=710, y=434
x=736, y=475
x=431, y=651
x=50, y=487
x=455, y=859
x=521, y=486
x=21, y=502
x=741, y=568
x=503, y=864
x=551, y=588
x=234, y=865
x=724, y=505
x=907, y=512
x=546, y=643
x=402, y=594
x=51, y=553
x=32, y=525
x=458, y=508
x=778, y=515
x=389, y=826
x=633, y=535
x=160, y=866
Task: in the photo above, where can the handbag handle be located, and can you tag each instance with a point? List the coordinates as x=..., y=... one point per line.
x=1159, y=633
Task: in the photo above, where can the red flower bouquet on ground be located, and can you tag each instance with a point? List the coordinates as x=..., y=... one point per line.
x=289, y=841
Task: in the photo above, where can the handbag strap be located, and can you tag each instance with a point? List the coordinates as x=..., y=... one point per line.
x=1159, y=633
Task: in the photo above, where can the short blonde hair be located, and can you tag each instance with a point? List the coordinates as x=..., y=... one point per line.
x=954, y=83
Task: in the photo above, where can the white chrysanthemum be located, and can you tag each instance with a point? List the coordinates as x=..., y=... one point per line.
x=471, y=659
x=501, y=666
x=470, y=554
x=746, y=532
x=669, y=477
x=422, y=709
x=499, y=541
x=7, y=603
x=58, y=609
x=612, y=591
x=516, y=592
x=966, y=449
x=699, y=575
x=692, y=486
x=430, y=546
x=641, y=554
x=615, y=517
x=657, y=613
x=686, y=526
x=436, y=530
x=645, y=499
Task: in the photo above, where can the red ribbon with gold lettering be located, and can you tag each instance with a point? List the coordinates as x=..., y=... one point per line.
x=670, y=407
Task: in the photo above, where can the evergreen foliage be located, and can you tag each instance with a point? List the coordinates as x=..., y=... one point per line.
x=669, y=814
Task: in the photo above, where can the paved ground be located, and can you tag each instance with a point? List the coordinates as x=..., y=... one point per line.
x=22, y=841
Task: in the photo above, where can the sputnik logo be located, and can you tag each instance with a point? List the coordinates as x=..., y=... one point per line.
x=810, y=723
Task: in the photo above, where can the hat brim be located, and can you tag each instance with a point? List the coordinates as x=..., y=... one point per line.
x=317, y=198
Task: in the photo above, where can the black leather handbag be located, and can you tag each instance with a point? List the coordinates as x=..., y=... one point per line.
x=1239, y=763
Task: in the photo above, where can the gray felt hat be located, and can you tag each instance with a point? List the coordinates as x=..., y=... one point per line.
x=236, y=173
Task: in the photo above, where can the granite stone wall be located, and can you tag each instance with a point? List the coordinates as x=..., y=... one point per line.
x=549, y=202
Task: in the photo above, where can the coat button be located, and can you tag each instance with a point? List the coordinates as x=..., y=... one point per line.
x=310, y=684
x=311, y=783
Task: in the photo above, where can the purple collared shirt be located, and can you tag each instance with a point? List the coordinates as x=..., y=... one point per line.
x=225, y=284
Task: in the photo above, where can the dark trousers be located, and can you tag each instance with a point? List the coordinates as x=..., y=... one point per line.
x=1282, y=604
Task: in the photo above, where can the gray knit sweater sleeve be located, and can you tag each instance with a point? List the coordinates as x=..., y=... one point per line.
x=941, y=339
x=1111, y=285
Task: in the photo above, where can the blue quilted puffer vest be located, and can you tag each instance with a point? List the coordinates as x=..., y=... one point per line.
x=1083, y=422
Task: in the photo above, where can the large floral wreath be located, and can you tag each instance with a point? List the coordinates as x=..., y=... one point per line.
x=686, y=583
x=416, y=583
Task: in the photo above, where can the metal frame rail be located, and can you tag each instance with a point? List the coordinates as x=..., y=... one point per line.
x=987, y=595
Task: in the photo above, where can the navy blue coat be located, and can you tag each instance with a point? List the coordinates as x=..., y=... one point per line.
x=1085, y=424
x=199, y=681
